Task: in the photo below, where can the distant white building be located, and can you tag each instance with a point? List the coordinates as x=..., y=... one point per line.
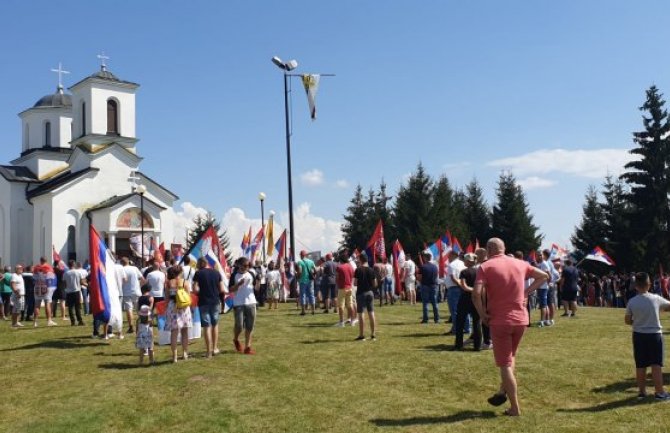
x=79, y=163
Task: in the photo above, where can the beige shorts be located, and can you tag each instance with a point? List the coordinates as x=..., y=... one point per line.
x=344, y=297
x=410, y=286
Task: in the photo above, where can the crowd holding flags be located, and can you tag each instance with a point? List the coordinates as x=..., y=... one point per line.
x=209, y=247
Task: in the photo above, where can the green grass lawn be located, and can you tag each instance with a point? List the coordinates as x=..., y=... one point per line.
x=311, y=377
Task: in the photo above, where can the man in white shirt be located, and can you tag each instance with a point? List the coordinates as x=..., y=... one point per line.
x=18, y=295
x=409, y=278
x=130, y=290
x=452, y=278
x=156, y=280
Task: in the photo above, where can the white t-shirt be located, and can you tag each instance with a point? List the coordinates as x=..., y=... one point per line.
x=645, y=310
x=389, y=271
x=454, y=272
x=17, y=281
x=273, y=279
x=410, y=271
x=72, y=279
x=156, y=280
x=131, y=281
x=245, y=293
x=545, y=266
x=83, y=274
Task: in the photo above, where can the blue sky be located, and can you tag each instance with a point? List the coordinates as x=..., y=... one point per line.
x=547, y=89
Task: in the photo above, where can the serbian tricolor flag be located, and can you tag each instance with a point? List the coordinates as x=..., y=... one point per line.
x=255, y=245
x=228, y=302
x=208, y=246
x=456, y=245
x=280, y=246
x=599, y=255
x=246, y=240
x=54, y=255
x=398, y=262
x=376, y=243
x=103, y=288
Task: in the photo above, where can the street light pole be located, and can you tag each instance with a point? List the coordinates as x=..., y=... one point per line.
x=288, y=169
x=261, y=197
x=141, y=189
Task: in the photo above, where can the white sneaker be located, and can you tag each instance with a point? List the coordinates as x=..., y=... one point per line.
x=34, y=324
x=339, y=325
x=487, y=346
x=348, y=321
x=354, y=322
x=121, y=337
x=540, y=324
x=52, y=323
x=551, y=322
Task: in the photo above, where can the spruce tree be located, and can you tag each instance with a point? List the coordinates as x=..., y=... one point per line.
x=354, y=228
x=592, y=229
x=477, y=213
x=413, y=207
x=649, y=185
x=442, y=212
x=616, y=217
x=511, y=218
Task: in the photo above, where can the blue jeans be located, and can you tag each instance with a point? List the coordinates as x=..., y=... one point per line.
x=453, y=295
x=84, y=295
x=429, y=295
x=307, y=293
x=388, y=285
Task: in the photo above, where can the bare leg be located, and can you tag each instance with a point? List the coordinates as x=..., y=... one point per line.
x=641, y=379
x=208, y=339
x=373, y=322
x=361, y=325
x=573, y=307
x=247, y=339
x=657, y=376
x=184, y=342
x=215, y=337
x=141, y=356
x=173, y=343
x=510, y=387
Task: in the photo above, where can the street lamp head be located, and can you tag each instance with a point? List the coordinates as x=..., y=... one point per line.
x=140, y=189
x=261, y=196
x=286, y=66
x=272, y=213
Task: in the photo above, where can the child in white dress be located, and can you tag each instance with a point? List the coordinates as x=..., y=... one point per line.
x=144, y=339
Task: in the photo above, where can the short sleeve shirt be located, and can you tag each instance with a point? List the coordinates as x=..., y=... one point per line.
x=72, y=279
x=410, y=270
x=645, y=310
x=131, y=285
x=365, y=277
x=208, y=281
x=344, y=276
x=307, y=267
x=18, y=283
x=245, y=293
x=428, y=274
x=156, y=280
x=570, y=278
x=6, y=283
x=504, y=278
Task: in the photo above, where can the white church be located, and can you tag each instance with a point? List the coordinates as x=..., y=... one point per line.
x=79, y=164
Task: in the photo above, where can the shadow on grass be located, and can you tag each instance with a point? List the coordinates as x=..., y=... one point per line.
x=419, y=420
x=126, y=366
x=624, y=385
x=396, y=323
x=115, y=354
x=617, y=404
x=345, y=340
x=313, y=325
x=420, y=335
x=54, y=345
x=439, y=347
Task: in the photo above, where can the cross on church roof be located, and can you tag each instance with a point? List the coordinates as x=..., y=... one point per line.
x=103, y=57
x=60, y=71
x=133, y=178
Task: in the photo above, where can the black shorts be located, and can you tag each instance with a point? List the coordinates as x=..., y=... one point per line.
x=328, y=291
x=365, y=301
x=647, y=349
x=569, y=295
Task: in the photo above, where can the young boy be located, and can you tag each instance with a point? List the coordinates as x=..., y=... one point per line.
x=643, y=313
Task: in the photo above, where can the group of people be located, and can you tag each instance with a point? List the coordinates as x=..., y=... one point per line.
x=489, y=294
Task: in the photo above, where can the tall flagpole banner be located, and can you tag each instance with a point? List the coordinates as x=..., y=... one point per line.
x=104, y=290
x=311, y=83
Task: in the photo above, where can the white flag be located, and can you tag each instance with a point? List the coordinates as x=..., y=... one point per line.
x=311, y=83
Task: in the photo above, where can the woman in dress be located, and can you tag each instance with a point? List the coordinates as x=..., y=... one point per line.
x=178, y=319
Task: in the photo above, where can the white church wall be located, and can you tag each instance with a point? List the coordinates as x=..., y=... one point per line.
x=20, y=223
x=81, y=95
x=5, y=257
x=35, y=119
x=42, y=211
x=64, y=132
x=126, y=106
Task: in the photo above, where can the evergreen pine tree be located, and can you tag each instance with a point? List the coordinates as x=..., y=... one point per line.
x=412, y=211
x=615, y=215
x=649, y=183
x=354, y=230
x=477, y=213
x=592, y=229
x=511, y=218
x=443, y=212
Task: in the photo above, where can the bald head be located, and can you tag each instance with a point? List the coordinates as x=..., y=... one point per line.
x=481, y=255
x=495, y=246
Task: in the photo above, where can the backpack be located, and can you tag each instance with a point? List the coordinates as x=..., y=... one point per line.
x=183, y=298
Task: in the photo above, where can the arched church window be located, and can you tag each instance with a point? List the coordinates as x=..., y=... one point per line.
x=112, y=117
x=71, y=243
x=83, y=119
x=47, y=134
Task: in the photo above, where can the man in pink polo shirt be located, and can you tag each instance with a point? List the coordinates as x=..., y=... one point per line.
x=501, y=279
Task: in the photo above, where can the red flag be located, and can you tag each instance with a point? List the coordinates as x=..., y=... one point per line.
x=476, y=244
x=441, y=257
x=280, y=246
x=470, y=248
x=54, y=255
x=376, y=242
x=398, y=261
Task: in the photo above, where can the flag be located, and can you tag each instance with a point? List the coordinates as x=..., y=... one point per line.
x=208, y=246
x=246, y=240
x=398, y=262
x=599, y=255
x=161, y=249
x=376, y=242
x=433, y=249
x=255, y=245
x=177, y=252
x=441, y=258
x=228, y=302
x=311, y=83
x=54, y=255
x=103, y=288
x=557, y=252
x=532, y=256
x=280, y=246
x=470, y=248
x=271, y=236
x=455, y=245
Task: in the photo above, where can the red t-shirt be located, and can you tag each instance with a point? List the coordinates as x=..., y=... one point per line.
x=344, y=275
x=504, y=279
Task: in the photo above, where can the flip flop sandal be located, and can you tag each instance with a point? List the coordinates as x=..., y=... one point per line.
x=497, y=399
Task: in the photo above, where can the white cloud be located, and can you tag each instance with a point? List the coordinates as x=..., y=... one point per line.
x=534, y=182
x=312, y=232
x=312, y=177
x=183, y=219
x=595, y=163
x=342, y=183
